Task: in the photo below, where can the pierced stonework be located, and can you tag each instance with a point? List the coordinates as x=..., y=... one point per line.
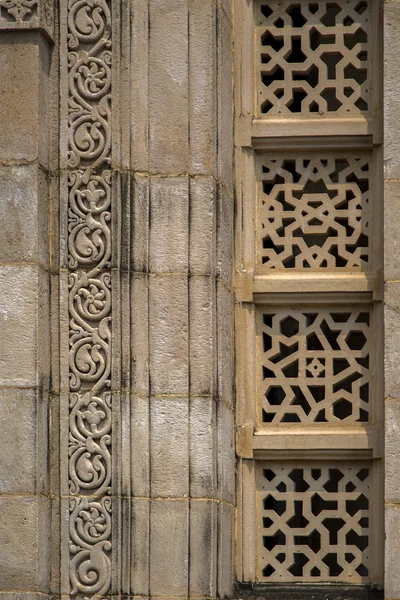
x=314, y=365
x=90, y=307
x=313, y=58
x=313, y=522
x=314, y=212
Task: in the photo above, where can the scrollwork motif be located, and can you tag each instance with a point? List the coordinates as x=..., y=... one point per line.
x=89, y=299
x=89, y=68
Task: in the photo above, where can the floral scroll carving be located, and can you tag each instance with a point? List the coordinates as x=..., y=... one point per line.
x=89, y=299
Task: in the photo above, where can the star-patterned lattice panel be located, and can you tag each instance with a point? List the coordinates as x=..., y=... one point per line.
x=314, y=365
x=314, y=212
x=313, y=58
x=313, y=522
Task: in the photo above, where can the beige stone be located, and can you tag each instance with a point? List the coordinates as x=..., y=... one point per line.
x=202, y=225
x=391, y=87
x=24, y=553
x=202, y=350
x=169, y=218
x=168, y=86
x=392, y=529
x=23, y=131
x=23, y=214
x=203, y=519
x=169, y=447
x=202, y=441
x=19, y=329
x=202, y=104
x=169, y=562
x=139, y=559
x=168, y=325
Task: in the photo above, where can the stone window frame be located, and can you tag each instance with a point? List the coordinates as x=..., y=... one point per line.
x=253, y=136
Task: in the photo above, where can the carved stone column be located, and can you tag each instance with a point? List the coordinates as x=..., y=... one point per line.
x=146, y=305
x=26, y=29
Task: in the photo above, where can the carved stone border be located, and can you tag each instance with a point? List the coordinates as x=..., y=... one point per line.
x=27, y=14
x=86, y=197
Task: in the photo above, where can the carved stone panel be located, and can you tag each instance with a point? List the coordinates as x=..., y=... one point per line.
x=313, y=58
x=313, y=522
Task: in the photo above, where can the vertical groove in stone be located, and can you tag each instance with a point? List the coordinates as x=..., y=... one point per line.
x=86, y=125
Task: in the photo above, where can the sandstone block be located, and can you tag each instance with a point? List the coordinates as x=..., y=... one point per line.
x=23, y=214
x=140, y=446
x=202, y=215
x=168, y=316
x=168, y=86
x=392, y=90
x=202, y=329
x=202, y=89
x=202, y=441
x=392, y=451
x=226, y=453
x=169, y=520
x=23, y=99
x=203, y=548
x=391, y=230
x=24, y=549
x=392, y=551
x=140, y=547
x=22, y=305
x=392, y=333
x=169, y=447
x=225, y=550
x=169, y=229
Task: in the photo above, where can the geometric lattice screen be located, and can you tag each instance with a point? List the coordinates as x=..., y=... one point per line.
x=313, y=522
x=314, y=365
x=314, y=212
x=313, y=58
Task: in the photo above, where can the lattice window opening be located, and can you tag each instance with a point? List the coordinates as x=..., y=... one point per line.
x=314, y=212
x=313, y=522
x=314, y=365
x=313, y=58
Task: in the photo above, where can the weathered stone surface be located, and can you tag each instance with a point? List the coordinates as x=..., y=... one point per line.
x=20, y=288
x=202, y=90
x=168, y=86
x=391, y=38
x=24, y=551
x=168, y=322
x=392, y=550
x=202, y=441
x=202, y=224
x=24, y=452
x=169, y=561
x=202, y=342
x=23, y=214
x=391, y=233
x=392, y=332
x=23, y=115
x=225, y=550
x=139, y=559
x=392, y=448
x=169, y=447
x=169, y=224
x=203, y=548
